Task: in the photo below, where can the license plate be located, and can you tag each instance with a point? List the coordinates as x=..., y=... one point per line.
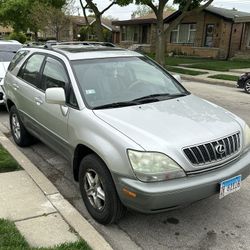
x=229, y=186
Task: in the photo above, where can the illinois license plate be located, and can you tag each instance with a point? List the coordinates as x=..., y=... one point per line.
x=229, y=186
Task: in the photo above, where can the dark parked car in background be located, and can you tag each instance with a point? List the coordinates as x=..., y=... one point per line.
x=244, y=82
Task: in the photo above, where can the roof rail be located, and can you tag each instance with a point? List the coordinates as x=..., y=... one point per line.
x=90, y=43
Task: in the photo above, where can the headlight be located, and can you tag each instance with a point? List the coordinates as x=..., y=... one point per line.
x=152, y=167
x=246, y=136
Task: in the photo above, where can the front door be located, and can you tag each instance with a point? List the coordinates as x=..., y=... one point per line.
x=52, y=119
x=144, y=34
x=209, y=35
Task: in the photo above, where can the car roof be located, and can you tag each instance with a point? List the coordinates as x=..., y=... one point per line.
x=10, y=42
x=81, y=52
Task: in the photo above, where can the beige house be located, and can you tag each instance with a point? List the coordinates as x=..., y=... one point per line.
x=5, y=31
x=215, y=32
x=71, y=31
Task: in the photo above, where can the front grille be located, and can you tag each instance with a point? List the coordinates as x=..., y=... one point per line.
x=203, y=154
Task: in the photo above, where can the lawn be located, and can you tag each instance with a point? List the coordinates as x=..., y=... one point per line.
x=185, y=71
x=225, y=77
x=175, y=61
x=206, y=63
x=7, y=163
x=11, y=239
x=221, y=65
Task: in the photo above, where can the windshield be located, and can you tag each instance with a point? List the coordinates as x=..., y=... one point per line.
x=7, y=51
x=125, y=81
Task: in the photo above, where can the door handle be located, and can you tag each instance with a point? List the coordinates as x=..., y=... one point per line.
x=38, y=101
x=15, y=86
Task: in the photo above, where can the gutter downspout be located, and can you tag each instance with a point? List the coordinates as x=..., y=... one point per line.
x=242, y=34
x=230, y=42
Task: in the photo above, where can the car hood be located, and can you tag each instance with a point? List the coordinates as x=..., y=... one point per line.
x=3, y=68
x=172, y=124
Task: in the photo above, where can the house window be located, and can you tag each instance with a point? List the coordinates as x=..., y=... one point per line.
x=130, y=33
x=184, y=33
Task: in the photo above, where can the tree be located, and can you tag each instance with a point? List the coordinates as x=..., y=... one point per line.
x=90, y=5
x=46, y=17
x=143, y=10
x=186, y=7
x=16, y=12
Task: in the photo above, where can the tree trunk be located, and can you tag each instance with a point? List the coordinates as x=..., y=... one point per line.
x=98, y=29
x=36, y=36
x=160, y=40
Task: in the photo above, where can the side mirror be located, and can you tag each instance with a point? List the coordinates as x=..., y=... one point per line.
x=177, y=77
x=55, y=96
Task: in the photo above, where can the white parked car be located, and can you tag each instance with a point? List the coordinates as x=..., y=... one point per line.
x=8, y=50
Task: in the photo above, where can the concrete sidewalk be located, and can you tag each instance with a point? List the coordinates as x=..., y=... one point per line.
x=39, y=211
x=204, y=78
x=34, y=215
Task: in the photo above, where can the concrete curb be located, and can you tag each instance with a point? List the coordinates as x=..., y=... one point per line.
x=67, y=211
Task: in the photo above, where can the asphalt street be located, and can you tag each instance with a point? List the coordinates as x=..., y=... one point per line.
x=208, y=224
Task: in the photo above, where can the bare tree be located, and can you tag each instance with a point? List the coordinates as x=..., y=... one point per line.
x=90, y=5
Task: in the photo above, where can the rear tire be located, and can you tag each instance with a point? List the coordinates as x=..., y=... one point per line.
x=19, y=133
x=98, y=191
x=247, y=86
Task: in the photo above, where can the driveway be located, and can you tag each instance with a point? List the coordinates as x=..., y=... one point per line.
x=208, y=224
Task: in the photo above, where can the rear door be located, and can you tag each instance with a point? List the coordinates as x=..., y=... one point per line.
x=28, y=82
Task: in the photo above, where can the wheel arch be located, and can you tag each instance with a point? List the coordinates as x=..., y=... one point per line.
x=9, y=104
x=80, y=152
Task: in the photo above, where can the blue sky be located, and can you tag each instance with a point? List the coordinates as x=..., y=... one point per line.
x=125, y=12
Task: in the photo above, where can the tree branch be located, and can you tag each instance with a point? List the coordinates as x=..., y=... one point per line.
x=114, y=2
x=153, y=7
x=204, y=6
x=84, y=12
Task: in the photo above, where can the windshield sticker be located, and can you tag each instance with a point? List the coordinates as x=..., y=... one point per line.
x=90, y=91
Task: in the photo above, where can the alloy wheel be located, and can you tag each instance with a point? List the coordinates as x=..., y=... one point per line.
x=94, y=189
x=247, y=87
x=16, y=126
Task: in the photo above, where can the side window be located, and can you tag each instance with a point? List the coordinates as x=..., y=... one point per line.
x=17, y=58
x=54, y=74
x=31, y=69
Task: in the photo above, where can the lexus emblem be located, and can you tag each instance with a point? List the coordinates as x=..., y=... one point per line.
x=220, y=149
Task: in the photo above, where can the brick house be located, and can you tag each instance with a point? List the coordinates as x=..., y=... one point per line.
x=215, y=32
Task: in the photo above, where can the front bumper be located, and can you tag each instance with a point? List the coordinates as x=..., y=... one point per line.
x=162, y=196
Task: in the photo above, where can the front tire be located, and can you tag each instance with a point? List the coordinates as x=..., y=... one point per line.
x=247, y=86
x=98, y=191
x=19, y=133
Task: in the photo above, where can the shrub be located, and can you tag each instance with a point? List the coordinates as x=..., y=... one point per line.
x=19, y=36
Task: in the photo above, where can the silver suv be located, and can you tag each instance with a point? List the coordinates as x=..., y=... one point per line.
x=133, y=135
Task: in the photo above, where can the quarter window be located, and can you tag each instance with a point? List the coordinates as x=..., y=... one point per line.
x=54, y=74
x=31, y=70
x=17, y=58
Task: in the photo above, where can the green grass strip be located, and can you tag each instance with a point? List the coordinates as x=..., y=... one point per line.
x=185, y=71
x=217, y=65
x=11, y=239
x=225, y=77
x=7, y=163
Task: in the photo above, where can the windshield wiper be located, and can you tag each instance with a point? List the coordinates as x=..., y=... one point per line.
x=149, y=97
x=117, y=105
